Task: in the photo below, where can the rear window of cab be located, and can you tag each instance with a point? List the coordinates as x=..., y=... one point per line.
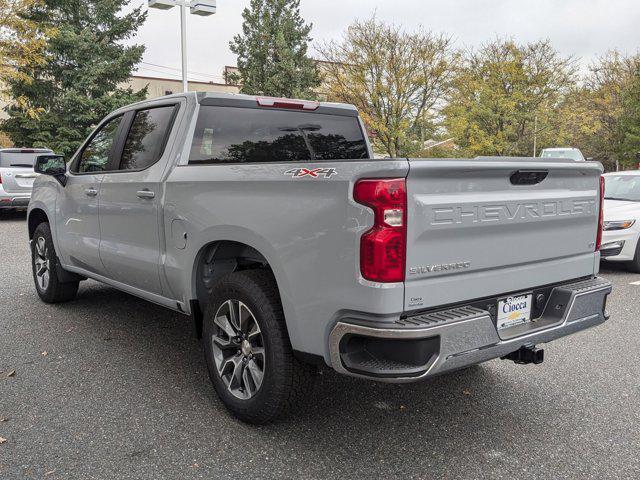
x=252, y=135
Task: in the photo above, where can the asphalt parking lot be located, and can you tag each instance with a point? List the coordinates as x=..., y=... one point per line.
x=110, y=386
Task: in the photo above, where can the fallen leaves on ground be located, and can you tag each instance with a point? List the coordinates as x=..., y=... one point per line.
x=2, y=440
x=12, y=373
x=466, y=392
x=45, y=353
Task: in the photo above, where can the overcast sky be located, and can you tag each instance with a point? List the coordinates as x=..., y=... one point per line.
x=583, y=28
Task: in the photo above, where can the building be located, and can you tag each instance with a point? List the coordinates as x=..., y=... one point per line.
x=160, y=86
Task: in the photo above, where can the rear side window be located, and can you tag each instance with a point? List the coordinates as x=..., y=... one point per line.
x=95, y=156
x=147, y=138
x=10, y=158
x=245, y=135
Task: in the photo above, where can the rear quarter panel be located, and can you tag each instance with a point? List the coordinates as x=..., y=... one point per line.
x=307, y=228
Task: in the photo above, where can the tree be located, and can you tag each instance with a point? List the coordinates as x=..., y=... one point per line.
x=21, y=45
x=86, y=62
x=609, y=78
x=272, y=51
x=630, y=121
x=396, y=79
x=502, y=91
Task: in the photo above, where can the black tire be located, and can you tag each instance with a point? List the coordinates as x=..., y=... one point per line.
x=53, y=291
x=285, y=380
x=634, y=265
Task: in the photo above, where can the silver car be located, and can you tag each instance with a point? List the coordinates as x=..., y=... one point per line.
x=17, y=175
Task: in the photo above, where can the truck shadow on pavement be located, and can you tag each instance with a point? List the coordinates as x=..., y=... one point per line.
x=13, y=214
x=152, y=368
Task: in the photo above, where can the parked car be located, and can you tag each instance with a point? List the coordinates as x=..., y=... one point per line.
x=622, y=219
x=269, y=222
x=570, y=153
x=17, y=175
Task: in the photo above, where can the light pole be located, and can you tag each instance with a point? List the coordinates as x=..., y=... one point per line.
x=204, y=8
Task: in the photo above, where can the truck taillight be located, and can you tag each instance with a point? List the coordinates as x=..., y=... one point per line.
x=600, y=216
x=383, y=247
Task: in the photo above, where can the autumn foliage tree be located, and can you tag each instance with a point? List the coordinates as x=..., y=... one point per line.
x=504, y=93
x=397, y=80
x=22, y=48
x=605, y=91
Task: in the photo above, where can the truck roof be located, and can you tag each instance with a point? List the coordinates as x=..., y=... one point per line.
x=254, y=101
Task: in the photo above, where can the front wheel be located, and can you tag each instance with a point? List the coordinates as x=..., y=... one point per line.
x=45, y=269
x=249, y=355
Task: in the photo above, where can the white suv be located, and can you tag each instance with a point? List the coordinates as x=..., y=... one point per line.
x=17, y=175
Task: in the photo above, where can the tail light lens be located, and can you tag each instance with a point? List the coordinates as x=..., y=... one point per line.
x=600, y=216
x=383, y=247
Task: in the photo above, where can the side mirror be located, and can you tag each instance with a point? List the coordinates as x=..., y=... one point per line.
x=53, y=165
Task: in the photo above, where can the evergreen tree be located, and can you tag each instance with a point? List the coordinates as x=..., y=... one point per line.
x=80, y=81
x=272, y=51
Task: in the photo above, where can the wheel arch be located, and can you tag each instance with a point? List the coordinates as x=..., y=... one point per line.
x=36, y=217
x=220, y=257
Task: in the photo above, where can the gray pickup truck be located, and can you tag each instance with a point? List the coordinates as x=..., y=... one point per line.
x=269, y=223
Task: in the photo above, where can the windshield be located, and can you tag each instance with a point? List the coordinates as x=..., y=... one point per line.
x=571, y=153
x=622, y=187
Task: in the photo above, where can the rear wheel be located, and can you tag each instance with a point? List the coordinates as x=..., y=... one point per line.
x=45, y=268
x=249, y=356
x=634, y=265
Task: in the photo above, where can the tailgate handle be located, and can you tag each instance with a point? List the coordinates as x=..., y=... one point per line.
x=528, y=177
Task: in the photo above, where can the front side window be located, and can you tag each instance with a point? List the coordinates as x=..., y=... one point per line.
x=95, y=156
x=246, y=135
x=146, y=139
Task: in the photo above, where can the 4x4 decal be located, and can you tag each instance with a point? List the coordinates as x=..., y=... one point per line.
x=311, y=172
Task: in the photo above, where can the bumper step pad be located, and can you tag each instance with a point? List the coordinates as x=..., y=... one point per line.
x=462, y=336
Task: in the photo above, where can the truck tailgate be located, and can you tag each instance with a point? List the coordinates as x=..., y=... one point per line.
x=490, y=226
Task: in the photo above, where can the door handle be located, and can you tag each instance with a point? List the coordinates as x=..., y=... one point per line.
x=90, y=192
x=145, y=194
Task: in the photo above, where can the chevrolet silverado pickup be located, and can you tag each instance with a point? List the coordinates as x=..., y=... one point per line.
x=269, y=223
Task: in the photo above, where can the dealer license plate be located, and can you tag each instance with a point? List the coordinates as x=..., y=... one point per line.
x=514, y=310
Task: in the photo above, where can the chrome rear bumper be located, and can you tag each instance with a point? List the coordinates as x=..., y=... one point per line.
x=462, y=336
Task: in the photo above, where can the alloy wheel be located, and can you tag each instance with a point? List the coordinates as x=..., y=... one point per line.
x=42, y=263
x=238, y=349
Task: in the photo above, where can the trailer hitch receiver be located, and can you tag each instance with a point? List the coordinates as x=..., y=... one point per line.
x=526, y=355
